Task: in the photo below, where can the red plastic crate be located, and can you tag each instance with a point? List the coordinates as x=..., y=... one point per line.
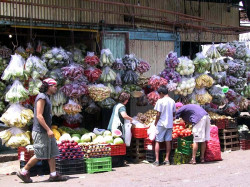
x=139, y=132
x=24, y=154
x=118, y=149
x=245, y=144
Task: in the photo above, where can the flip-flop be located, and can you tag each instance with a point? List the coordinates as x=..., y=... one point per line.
x=202, y=160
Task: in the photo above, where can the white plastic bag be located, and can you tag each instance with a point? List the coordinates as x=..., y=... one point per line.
x=152, y=131
x=128, y=133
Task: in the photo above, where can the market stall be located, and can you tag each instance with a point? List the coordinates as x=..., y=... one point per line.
x=88, y=83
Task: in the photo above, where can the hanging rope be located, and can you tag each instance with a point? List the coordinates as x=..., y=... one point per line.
x=14, y=18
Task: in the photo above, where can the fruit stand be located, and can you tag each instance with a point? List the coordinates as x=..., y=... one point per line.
x=217, y=79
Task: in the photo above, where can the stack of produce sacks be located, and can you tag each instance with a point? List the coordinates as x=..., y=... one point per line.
x=213, y=151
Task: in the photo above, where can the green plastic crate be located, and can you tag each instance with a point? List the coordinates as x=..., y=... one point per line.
x=95, y=165
x=185, y=145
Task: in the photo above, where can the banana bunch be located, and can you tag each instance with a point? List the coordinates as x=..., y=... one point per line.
x=204, y=81
x=18, y=140
x=5, y=136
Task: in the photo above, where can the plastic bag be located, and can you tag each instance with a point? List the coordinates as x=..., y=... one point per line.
x=220, y=77
x=186, y=66
x=204, y=81
x=16, y=93
x=85, y=100
x=99, y=92
x=172, y=60
x=73, y=71
x=213, y=53
x=16, y=115
x=118, y=80
x=29, y=48
x=34, y=86
x=92, y=108
x=143, y=67
x=130, y=62
x=35, y=67
x=202, y=96
x=153, y=97
x=185, y=87
x=155, y=82
x=142, y=101
x=201, y=63
x=106, y=58
x=118, y=65
x=72, y=107
x=171, y=75
x=58, y=99
x=172, y=86
x=73, y=119
x=107, y=103
x=75, y=89
x=56, y=57
x=217, y=94
x=92, y=74
x=130, y=77
x=91, y=59
x=128, y=133
x=57, y=75
x=58, y=110
x=213, y=151
x=236, y=68
x=15, y=69
x=231, y=95
x=108, y=75
x=152, y=132
x=231, y=109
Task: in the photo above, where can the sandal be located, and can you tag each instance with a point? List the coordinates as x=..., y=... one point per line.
x=202, y=160
x=192, y=162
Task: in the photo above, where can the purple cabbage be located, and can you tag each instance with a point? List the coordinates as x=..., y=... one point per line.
x=170, y=74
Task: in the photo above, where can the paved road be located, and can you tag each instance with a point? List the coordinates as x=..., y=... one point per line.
x=234, y=170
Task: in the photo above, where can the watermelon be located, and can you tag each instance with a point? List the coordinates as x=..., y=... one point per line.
x=108, y=139
x=116, y=133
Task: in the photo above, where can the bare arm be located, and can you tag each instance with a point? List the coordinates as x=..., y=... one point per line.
x=157, y=117
x=40, y=118
x=125, y=116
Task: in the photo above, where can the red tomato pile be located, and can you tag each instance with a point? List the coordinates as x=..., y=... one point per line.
x=180, y=131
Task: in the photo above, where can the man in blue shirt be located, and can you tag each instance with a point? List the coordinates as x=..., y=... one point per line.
x=200, y=121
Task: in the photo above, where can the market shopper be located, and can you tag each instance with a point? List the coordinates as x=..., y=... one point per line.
x=45, y=146
x=119, y=114
x=200, y=121
x=165, y=108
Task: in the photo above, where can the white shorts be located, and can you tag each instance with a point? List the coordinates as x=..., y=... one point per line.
x=201, y=131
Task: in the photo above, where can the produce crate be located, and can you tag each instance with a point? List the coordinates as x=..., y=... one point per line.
x=231, y=124
x=185, y=145
x=24, y=154
x=118, y=161
x=220, y=123
x=245, y=144
x=150, y=156
x=136, y=152
x=229, y=139
x=95, y=165
x=244, y=135
x=150, y=145
x=139, y=132
x=118, y=149
x=180, y=158
x=41, y=168
x=69, y=167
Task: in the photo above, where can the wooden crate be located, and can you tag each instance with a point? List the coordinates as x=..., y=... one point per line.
x=136, y=152
x=229, y=140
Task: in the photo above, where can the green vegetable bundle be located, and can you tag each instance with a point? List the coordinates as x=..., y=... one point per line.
x=35, y=67
x=201, y=63
x=108, y=75
x=15, y=69
x=106, y=58
x=17, y=93
x=34, y=86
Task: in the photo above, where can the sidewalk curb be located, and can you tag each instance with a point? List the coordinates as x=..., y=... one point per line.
x=8, y=157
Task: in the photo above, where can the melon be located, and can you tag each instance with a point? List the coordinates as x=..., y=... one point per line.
x=75, y=138
x=108, y=139
x=99, y=139
x=116, y=133
x=107, y=133
x=118, y=141
x=76, y=135
x=86, y=138
x=92, y=135
x=65, y=136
